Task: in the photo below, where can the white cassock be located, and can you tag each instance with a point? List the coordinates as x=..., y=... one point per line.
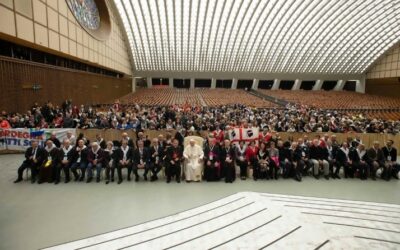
x=193, y=169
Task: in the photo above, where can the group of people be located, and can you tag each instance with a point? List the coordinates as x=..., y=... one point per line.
x=292, y=118
x=217, y=158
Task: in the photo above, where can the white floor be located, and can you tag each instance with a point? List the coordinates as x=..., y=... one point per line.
x=250, y=220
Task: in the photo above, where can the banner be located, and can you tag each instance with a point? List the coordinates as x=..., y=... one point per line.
x=243, y=134
x=19, y=139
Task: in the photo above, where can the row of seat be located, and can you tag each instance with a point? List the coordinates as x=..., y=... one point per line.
x=194, y=97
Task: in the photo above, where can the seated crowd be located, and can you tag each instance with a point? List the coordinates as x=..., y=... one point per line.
x=292, y=118
x=269, y=157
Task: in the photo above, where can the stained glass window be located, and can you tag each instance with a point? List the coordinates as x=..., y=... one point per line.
x=86, y=13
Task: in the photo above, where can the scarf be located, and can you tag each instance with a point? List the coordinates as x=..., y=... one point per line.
x=361, y=154
x=124, y=151
x=66, y=151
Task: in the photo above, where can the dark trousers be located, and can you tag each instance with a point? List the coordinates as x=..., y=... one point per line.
x=74, y=169
x=119, y=170
x=110, y=169
x=62, y=167
x=243, y=168
x=173, y=170
x=32, y=166
x=135, y=169
x=229, y=171
x=155, y=168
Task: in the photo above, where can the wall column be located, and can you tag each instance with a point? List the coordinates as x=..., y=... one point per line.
x=234, y=83
x=275, y=86
x=149, y=82
x=255, y=84
x=171, y=82
x=213, y=83
x=192, y=83
x=133, y=84
x=339, y=85
x=318, y=85
x=296, y=85
x=360, y=85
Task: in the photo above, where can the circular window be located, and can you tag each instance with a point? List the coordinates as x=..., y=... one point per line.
x=92, y=15
x=86, y=12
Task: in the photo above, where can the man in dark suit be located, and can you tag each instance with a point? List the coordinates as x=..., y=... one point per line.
x=79, y=160
x=95, y=160
x=66, y=159
x=141, y=160
x=376, y=159
x=173, y=161
x=227, y=156
x=34, y=158
x=212, y=162
x=128, y=139
x=391, y=165
x=359, y=160
x=123, y=159
x=156, y=156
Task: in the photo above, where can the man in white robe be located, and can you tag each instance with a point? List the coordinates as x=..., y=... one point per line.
x=193, y=155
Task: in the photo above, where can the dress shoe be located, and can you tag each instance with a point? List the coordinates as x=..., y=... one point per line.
x=137, y=178
x=145, y=177
x=17, y=180
x=89, y=180
x=97, y=180
x=326, y=177
x=119, y=182
x=56, y=182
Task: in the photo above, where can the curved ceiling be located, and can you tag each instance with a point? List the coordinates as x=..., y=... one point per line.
x=259, y=36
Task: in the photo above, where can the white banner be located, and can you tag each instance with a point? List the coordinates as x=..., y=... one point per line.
x=19, y=139
x=243, y=134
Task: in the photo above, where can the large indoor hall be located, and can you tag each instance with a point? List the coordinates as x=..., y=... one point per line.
x=199, y=124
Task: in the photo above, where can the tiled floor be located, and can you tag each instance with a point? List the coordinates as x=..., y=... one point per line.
x=39, y=216
x=250, y=220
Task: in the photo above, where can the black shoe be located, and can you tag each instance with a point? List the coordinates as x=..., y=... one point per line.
x=81, y=179
x=145, y=177
x=97, y=180
x=112, y=179
x=56, y=182
x=137, y=178
x=336, y=176
x=66, y=181
x=316, y=177
x=17, y=180
x=255, y=178
x=89, y=180
x=129, y=178
x=178, y=180
x=33, y=181
x=152, y=178
x=119, y=182
x=326, y=177
x=168, y=180
x=108, y=181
